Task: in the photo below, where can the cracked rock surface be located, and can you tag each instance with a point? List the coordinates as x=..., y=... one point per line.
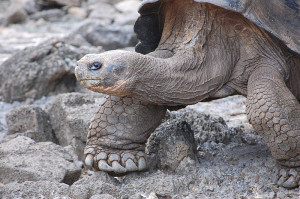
x=22, y=159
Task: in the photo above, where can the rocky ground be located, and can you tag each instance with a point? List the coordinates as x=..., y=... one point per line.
x=207, y=150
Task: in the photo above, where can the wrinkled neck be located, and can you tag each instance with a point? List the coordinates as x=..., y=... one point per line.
x=193, y=59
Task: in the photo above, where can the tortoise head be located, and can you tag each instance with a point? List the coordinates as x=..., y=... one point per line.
x=105, y=72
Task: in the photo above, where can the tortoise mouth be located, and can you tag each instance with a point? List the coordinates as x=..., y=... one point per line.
x=90, y=82
x=105, y=82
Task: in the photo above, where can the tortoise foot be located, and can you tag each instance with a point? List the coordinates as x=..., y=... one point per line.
x=118, y=133
x=288, y=177
x=115, y=161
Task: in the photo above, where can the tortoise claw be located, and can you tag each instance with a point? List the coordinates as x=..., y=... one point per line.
x=116, y=161
x=288, y=177
x=102, y=165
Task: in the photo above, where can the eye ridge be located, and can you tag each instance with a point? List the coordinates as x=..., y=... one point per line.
x=95, y=66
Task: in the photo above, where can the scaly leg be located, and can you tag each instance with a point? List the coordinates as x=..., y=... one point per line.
x=274, y=113
x=118, y=133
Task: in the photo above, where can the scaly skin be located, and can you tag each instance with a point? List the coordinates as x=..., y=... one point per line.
x=274, y=113
x=118, y=133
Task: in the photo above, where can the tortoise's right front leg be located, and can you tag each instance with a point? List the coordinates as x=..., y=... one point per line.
x=274, y=113
x=118, y=133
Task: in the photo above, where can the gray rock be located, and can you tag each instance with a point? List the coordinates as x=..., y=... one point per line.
x=46, y=69
x=212, y=133
x=52, y=15
x=112, y=2
x=102, y=196
x=102, y=11
x=80, y=13
x=94, y=184
x=137, y=196
x=128, y=12
x=29, y=6
x=38, y=189
x=15, y=13
x=5, y=4
x=110, y=37
x=231, y=168
x=172, y=142
x=70, y=116
x=30, y=121
x=162, y=184
x=68, y=2
x=24, y=160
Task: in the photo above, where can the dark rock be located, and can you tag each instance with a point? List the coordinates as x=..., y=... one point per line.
x=30, y=121
x=211, y=132
x=39, y=189
x=50, y=4
x=70, y=116
x=172, y=145
x=171, y=142
x=16, y=14
x=24, y=160
x=46, y=69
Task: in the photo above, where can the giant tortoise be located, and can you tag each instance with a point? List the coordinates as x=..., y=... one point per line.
x=198, y=50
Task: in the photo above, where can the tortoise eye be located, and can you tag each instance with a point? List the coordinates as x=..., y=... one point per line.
x=95, y=66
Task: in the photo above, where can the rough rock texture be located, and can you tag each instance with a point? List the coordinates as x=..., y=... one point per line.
x=38, y=189
x=170, y=144
x=39, y=71
x=212, y=132
x=30, y=121
x=228, y=165
x=94, y=184
x=24, y=160
x=70, y=116
x=160, y=183
x=102, y=196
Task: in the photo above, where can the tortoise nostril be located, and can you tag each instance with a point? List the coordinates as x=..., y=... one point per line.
x=95, y=66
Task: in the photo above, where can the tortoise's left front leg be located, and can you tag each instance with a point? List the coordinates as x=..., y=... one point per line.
x=118, y=133
x=274, y=113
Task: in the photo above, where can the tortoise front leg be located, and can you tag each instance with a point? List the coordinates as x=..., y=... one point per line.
x=274, y=113
x=118, y=133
